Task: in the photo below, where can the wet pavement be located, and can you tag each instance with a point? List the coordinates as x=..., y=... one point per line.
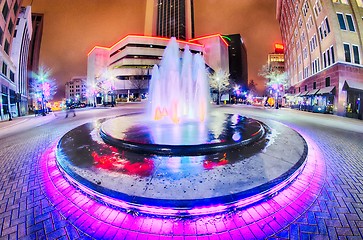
x=325, y=202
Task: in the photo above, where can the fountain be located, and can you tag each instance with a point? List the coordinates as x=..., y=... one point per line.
x=179, y=88
x=180, y=157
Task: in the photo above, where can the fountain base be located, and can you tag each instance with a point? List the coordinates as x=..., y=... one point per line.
x=235, y=176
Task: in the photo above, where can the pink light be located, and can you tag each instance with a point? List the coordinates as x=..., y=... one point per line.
x=81, y=210
x=210, y=36
x=144, y=37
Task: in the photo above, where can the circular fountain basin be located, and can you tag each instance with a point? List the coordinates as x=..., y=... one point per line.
x=220, y=133
x=244, y=172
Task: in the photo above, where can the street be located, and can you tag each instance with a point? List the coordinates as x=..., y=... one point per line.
x=25, y=211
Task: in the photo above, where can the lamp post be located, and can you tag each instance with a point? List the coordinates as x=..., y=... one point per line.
x=219, y=90
x=43, y=90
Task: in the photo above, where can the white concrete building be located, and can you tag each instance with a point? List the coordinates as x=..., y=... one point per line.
x=124, y=69
x=10, y=11
x=19, y=56
x=76, y=90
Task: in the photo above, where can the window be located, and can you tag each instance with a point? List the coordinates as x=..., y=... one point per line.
x=1, y=36
x=15, y=32
x=5, y=69
x=332, y=54
x=340, y=1
x=324, y=59
x=314, y=85
x=6, y=46
x=356, y=54
x=347, y=52
x=327, y=25
x=306, y=87
x=16, y=7
x=341, y=21
x=350, y=23
x=12, y=76
x=321, y=34
x=10, y=27
x=5, y=11
x=327, y=82
x=328, y=57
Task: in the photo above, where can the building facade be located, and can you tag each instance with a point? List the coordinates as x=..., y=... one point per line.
x=323, y=56
x=34, y=52
x=10, y=11
x=170, y=18
x=19, y=56
x=76, y=90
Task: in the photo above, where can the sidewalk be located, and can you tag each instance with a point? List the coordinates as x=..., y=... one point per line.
x=19, y=120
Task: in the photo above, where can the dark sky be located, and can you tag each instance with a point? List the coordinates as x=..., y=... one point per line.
x=73, y=27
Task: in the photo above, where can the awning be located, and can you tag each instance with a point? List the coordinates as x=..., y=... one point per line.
x=304, y=94
x=313, y=92
x=298, y=95
x=326, y=90
x=353, y=85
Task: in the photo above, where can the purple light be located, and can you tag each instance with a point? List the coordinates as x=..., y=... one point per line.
x=278, y=211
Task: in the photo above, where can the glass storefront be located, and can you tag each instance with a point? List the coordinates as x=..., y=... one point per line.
x=354, y=106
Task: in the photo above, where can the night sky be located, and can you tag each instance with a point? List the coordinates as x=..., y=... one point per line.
x=73, y=27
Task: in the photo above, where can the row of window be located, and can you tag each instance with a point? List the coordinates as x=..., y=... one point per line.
x=328, y=57
x=77, y=90
x=324, y=29
x=313, y=43
x=77, y=86
x=359, y=2
x=327, y=84
x=351, y=53
x=349, y=20
x=4, y=71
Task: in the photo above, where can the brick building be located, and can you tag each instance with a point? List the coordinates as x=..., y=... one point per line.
x=323, y=56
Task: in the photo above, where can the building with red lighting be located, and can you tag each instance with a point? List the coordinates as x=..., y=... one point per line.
x=323, y=55
x=124, y=69
x=276, y=60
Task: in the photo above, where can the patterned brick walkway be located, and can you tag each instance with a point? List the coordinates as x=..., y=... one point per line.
x=337, y=212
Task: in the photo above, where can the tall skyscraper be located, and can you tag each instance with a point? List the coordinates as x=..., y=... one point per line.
x=237, y=53
x=170, y=18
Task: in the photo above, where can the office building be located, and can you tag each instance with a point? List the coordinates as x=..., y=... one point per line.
x=124, y=69
x=237, y=54
x=76, y=90
x=9, y=11
x=34, y=52
x=170, y=18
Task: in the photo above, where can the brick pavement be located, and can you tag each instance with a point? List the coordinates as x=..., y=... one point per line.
x=337, y=213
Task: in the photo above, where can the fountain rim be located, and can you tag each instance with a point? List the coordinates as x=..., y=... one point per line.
x=184, y=150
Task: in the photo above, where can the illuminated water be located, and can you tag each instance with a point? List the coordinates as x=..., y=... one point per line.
x=179, y=90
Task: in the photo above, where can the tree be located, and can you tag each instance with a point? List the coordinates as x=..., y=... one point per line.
x=219, y=81
x=275, y=80
x=138, y=82
x=252, y=86
x=274, y=76
x=43, y=87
